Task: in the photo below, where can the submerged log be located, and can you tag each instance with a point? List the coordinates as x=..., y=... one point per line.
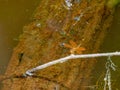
x=56, y=23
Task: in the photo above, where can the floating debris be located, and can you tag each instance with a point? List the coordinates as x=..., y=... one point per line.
x=38, y=24
x=68, y=4
x=77, y=18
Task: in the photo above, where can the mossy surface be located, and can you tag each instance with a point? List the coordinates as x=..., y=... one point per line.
x=112, y=3
x=53, y=24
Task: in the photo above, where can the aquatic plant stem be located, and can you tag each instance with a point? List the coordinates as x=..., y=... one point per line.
x=72, y=56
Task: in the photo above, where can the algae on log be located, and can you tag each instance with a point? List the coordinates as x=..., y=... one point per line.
x=112, y=3
x=55, y=22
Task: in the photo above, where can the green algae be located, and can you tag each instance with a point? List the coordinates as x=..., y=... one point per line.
x=112, y=3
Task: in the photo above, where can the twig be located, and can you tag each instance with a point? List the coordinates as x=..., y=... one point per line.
x=64, y=59
x=109, y=65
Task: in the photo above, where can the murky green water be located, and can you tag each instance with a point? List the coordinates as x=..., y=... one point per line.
x=111, y=44
x=14, y=14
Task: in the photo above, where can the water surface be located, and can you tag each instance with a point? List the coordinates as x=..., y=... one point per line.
x=14, y=14
x=111, y=44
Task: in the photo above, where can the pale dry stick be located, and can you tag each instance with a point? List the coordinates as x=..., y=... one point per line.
x=107, y=80
x=64, y=59
x=109, y=65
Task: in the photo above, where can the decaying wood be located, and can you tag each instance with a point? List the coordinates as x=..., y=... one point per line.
x=84, y=22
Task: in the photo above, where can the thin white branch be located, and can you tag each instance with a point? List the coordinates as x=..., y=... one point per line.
x=64, y=59
x=109, y=65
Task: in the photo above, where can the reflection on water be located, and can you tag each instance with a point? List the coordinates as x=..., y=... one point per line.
x=14, y=14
